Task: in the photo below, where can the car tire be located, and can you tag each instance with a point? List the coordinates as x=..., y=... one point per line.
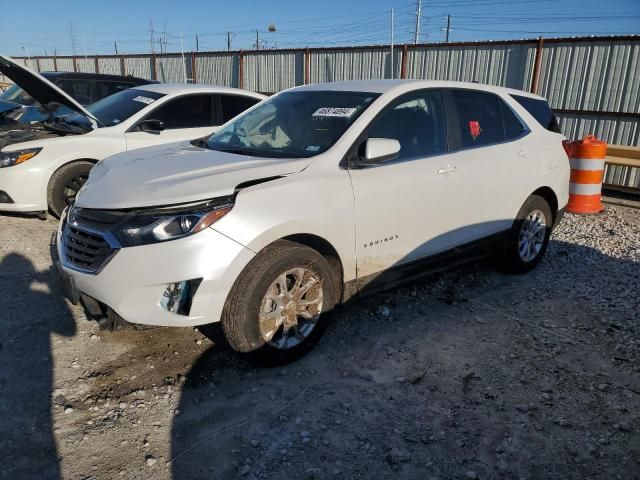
x=277, y=309
x=65, y=183
x=528, y=239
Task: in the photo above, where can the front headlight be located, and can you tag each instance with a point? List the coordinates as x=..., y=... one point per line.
x=161, y=225
x=9, y=159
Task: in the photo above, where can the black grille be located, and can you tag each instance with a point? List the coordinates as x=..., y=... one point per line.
x=84, y=250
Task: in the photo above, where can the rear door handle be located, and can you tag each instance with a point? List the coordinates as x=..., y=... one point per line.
x=447, y=170
x=524, y=153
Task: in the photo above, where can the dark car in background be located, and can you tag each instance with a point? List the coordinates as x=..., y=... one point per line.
x=16, y=106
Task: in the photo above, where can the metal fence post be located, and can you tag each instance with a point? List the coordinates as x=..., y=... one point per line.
x=535, y=77
x=96, y=64
x=154, y=67
x=307, y=66
x=75, y=64
x=241, y=70
x=122, y=68
x=194, y=77
x=403, y=61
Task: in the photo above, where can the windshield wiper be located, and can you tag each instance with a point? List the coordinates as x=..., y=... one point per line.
x=57, y=124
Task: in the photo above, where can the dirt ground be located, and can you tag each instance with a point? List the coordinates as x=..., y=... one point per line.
x=469, y=374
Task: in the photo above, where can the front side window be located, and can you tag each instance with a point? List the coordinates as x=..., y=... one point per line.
x=417, y=121
x=296, y=124
x=189, y=111
x=116, y=108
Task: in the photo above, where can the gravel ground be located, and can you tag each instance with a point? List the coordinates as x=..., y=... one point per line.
x=469, y=374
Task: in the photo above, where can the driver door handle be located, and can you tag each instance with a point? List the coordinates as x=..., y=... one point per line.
x=447, y=170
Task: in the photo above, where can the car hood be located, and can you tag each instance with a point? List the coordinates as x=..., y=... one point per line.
x=41, y=89
x=173, y=174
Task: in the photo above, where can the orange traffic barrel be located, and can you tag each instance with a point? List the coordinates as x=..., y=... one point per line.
x=587, y=170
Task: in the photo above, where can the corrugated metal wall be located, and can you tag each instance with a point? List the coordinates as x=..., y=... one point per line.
x=602, y=76
x=361, y=64
x=218, y=69
x=273, y=71
x=504, y=65
x=590, y=75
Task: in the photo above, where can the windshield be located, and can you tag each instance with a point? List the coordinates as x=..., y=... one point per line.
x=292, y=124
x=116, y=108
x=16, y=94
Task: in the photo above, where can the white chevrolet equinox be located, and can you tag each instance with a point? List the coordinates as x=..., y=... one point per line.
x=314, y=196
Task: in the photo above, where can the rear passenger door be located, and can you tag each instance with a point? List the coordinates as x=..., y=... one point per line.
x=184, y=118
x=490, y=155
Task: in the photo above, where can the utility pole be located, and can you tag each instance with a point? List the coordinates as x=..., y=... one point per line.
x=257, y=39
x=73, y=38
x=115, y=46
x=418, y=18
x=228, y=41
x=392, y=71
x=153, y=50
x=197, y=44
x=448, y=27
x=84, y=47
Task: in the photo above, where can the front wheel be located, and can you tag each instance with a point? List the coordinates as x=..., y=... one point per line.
x=529, y=237
x=65, y=183
x=277, y=308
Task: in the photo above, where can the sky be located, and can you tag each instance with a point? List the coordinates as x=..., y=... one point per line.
x=36, y=27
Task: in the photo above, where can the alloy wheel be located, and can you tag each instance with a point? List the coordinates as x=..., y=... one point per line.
x=290, y=308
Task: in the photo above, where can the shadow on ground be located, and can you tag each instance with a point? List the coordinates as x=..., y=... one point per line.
x=465, y=374
x=31, y=302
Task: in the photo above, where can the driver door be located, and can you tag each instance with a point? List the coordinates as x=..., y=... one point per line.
x=184, y=118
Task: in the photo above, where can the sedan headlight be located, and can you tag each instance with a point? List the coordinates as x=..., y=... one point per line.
x=161, y=225
x=9, y=159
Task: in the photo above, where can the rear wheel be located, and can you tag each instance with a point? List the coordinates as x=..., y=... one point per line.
x=529, y=236
x=65, y=183
x=277, y=308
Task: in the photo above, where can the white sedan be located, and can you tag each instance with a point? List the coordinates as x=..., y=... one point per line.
x=43, y=165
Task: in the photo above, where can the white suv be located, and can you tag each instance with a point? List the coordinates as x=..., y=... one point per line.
x=311, y=197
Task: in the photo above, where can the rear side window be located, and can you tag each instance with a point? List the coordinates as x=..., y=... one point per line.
x=106, y=88
x=78, y=89
x=541, y=111
x=484, y=119
x=191, y=111
x=234, y=105
x=417, y=121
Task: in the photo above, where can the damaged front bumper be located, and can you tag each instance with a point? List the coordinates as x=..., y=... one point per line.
x=182, y=282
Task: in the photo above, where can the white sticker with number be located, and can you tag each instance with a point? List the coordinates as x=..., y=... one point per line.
x=344, y=112
x=142, y=99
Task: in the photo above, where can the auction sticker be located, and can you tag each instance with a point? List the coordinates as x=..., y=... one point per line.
x=344, y=112
x=142, y=99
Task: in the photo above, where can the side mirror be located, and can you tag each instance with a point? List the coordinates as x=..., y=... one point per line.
x=151, y=125
x=378, y=150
